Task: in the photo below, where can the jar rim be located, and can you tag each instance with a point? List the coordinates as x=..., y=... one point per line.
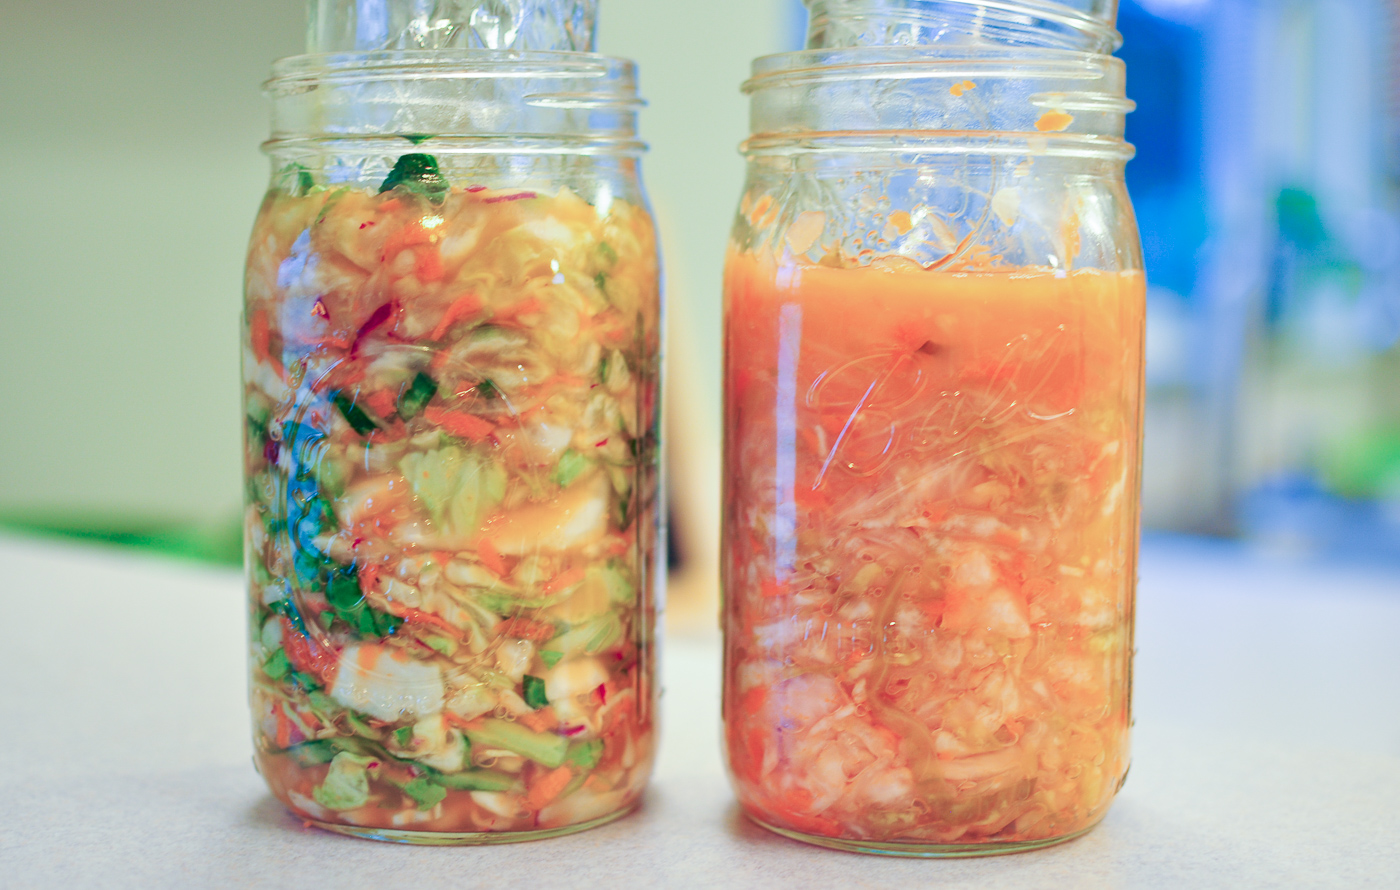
x=896, y=62
x=295, y=73
x=989, y=143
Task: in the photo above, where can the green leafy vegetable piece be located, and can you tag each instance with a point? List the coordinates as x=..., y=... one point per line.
x=621, y=590
x=458, y=487
x=278, y=665
x=312, y=753
x=354, y=415
x=343, y=591
x=570, y=465
x=534, y=692
x=305, y=680
x=418, y=173
x=298, y=179
x=544, y=748
x=418, y=138
x=445, y=645
x=424, y=791
x=591, y=637
x=350, y=605
x=549, y=658
x=416, y=396
x=404, y=736
x=331, y=200
x=487, y=390
x=476, y=780
x=346, y=786
x=586, y=754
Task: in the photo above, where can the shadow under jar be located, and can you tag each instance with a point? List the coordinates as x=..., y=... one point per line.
x=451, y=374
x=934, y=311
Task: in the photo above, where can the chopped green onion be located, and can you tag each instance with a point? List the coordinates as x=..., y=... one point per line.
x=354, y=415
x=550, y=658
x=445, y=645
x=416, y=396
x=313, y=753
x=278, y=665
x=534, y=692
x=404, y=736
x=544, y=748
x=586, y=754
x=418, y=138
x=571, y=464
x=487, y=390
x=476, y=780
x=343, y=591
x=418, y=173
x=424, y=791
x=605, y=250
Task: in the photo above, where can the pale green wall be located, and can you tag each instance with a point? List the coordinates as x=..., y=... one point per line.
x=128, y=141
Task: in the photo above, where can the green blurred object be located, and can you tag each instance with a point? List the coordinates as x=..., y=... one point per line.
x=1366, y=465
x=219, y=543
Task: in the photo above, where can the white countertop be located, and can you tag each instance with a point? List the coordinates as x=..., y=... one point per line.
x=1266, y=751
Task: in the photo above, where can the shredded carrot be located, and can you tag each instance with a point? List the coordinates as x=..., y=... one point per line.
x=593, y=783
x=562, y=581
x=527, y=629
x=418, y=616
x=307, y=655
x=369, y=576
x=382, y=402
x=542, y=720
x=490, y=556
x=524, y=307
x=463, y=426
x=464, y=306
x=260, y=338
x=459, y=722
x=284, y=727
x=410, y=235
x=548, y=786
x=427, y=264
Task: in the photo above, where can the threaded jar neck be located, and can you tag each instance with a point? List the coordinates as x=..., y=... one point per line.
x=368, y=25
x=1082, y=25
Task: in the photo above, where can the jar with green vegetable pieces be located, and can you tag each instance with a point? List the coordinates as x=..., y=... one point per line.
x=451, y=352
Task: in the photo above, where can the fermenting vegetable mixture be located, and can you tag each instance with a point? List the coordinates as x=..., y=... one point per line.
x=451, y=452
x=930, y=508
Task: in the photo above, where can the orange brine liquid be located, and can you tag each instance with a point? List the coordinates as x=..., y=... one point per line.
x=930, y=537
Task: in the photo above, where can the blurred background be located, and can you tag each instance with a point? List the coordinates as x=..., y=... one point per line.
x=1265, y=183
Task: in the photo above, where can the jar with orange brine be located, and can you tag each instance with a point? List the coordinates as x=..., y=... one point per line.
x=934, y=311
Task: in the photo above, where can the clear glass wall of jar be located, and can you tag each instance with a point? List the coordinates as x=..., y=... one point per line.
x=934, y=313
x=451, y=380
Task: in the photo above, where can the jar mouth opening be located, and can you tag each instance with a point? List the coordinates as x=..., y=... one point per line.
x=894, y=62
x=296, y=73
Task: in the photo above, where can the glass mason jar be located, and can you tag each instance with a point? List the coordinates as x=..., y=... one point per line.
x=451, y=361
x=934, y=311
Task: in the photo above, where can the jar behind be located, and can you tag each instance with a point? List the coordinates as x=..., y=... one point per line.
x=451, y=365
x=933, y=326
